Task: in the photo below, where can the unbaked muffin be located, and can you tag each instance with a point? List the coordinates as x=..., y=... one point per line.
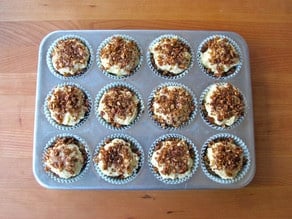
x=219, y=57
x=68, y=105
x=65, y=157
x=173, y=158
x=120, y=56
x=172, y=106
x=117, y=158
x=70, y=57
x=224, y=158
x=170, y=56
x=222, y=105
x=119, y=106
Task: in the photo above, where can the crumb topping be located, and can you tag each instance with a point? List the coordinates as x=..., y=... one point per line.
x=121, y=52
x=227, y=155
x=119, y=102
x=174, y=155
x=226, y=102
x=65, y=155
x=172, y=106
x=69, y=53
x=68, y=99
x=222, y=54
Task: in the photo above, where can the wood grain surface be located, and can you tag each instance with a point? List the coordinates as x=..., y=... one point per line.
x=267, y=28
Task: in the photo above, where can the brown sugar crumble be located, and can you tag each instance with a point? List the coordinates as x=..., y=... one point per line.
x=227, y=102
x=70, y=52
x=119, y=102
x=172, y=52
x=175, y=103
x=68, y=99
x=175, y=156
x=222, y=53
x=121, y=52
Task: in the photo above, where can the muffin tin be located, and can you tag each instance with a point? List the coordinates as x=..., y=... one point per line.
x=145, y=131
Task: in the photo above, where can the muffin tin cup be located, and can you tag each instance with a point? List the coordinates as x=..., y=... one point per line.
x=102, y=92
x=112, y=75
x=178, y=180
x=134, y=144
x=215, y=126
x=152, y=65
x=49, y=59
x=192, y=116
x=83, y=171
x=48, y=113
x=242, y=172
x=236, y=47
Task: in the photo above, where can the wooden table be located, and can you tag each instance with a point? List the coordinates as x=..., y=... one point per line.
x=267, y=28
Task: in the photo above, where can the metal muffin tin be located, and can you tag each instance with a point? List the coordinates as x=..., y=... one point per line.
x=145, y=131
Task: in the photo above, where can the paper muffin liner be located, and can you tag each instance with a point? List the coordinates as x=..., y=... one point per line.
x=66, y=127
x=83, y=170
x=49, y=59
x=213, y=125
x=134, y=145
x=236, y=47
x=112, y=75
x=177, y=180
x=192, y=116
x=241, y=173
x=104, y=90
x=157, y=72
